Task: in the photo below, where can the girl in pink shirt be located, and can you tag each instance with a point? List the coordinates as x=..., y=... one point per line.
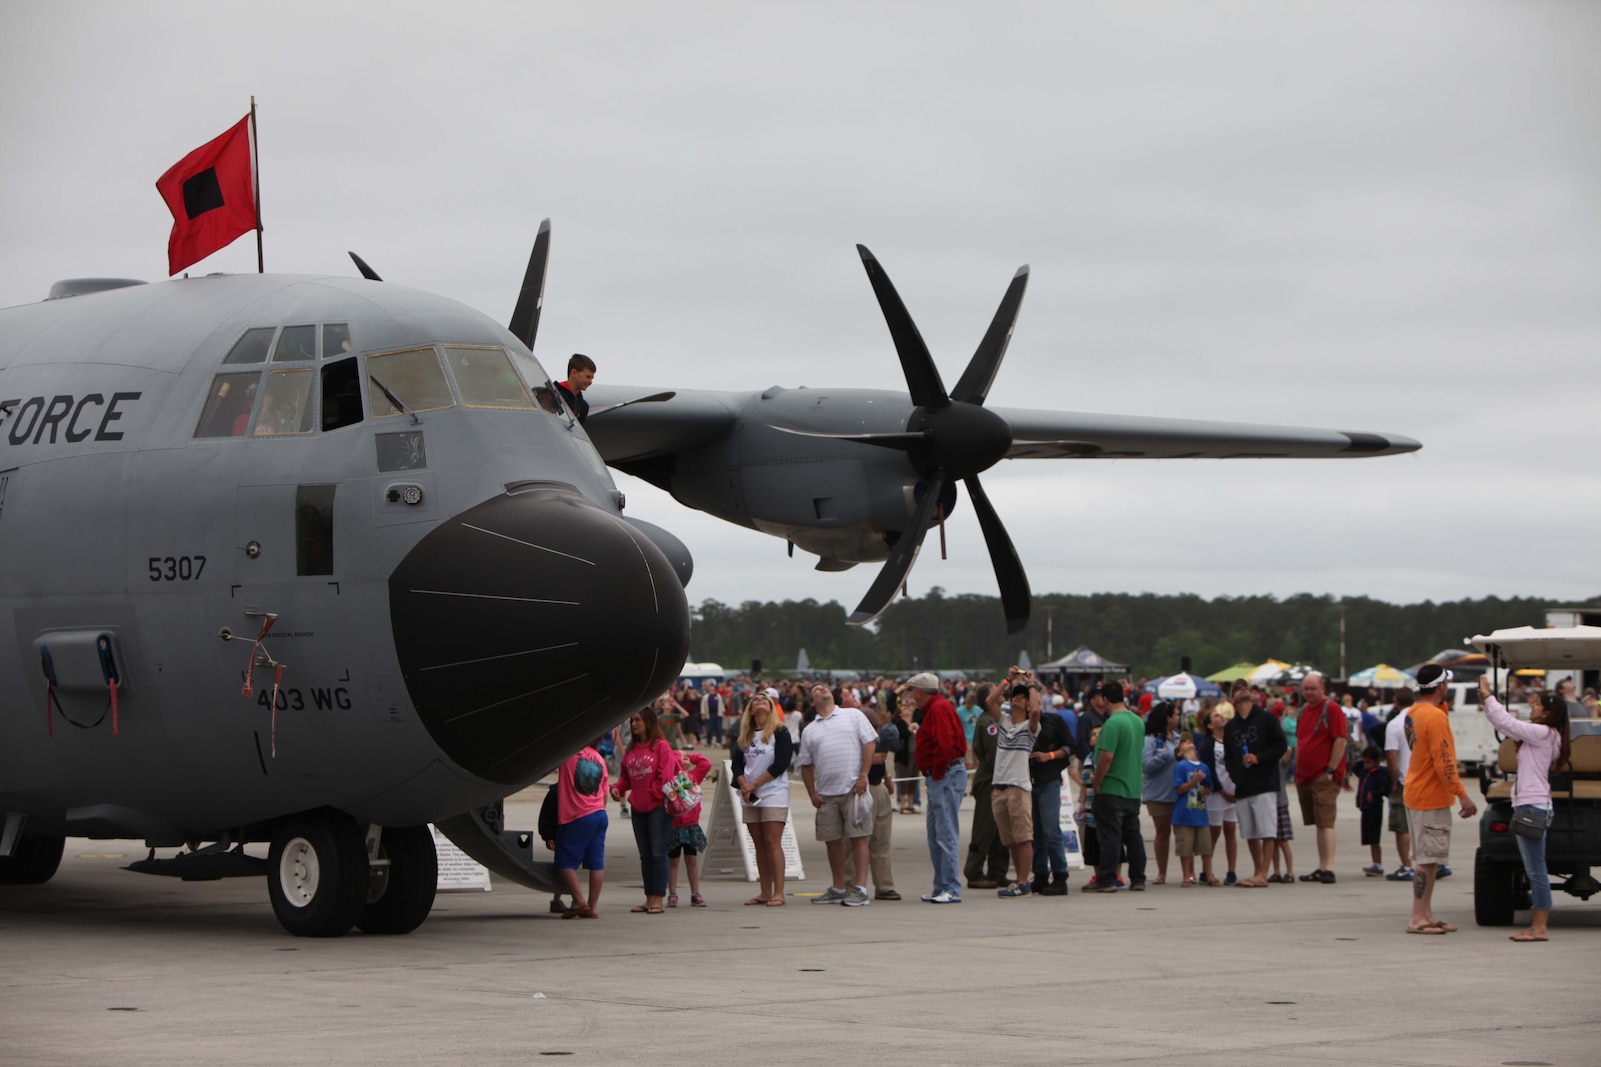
x=686, y=838
x=648, y=765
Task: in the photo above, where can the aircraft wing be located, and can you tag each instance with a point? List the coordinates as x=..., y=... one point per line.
x=1080, y=435
x=646, y=428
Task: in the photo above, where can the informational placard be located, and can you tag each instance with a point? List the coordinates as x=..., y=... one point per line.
x=1070, y=838
x=457, y=870
x=729, y=849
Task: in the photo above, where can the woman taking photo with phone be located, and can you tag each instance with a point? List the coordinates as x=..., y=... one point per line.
x=1543, y=746
x=762, y=755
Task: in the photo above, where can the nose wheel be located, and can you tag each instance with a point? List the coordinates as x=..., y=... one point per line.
x=317, y=875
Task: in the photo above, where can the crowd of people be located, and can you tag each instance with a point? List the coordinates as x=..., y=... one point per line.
x=1203, y=771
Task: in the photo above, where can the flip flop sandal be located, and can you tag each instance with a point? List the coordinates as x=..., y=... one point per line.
x=638, y=909
x=1520, y=937
x=776, y=902
x=654, y=911
x=1443, y=927
x=1424, y=930
x=755, y=902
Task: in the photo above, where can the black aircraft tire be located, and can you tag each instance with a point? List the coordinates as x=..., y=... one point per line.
x=317, y=875
x=408, y=888
x=1493, y=891
x=33, y=861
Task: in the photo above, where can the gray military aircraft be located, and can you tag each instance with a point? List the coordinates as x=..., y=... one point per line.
x=317, y=561
x=312, y=561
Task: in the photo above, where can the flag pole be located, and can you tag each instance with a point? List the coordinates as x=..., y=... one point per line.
x=255, y=182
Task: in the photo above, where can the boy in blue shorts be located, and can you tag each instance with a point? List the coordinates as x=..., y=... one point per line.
x=579, y=837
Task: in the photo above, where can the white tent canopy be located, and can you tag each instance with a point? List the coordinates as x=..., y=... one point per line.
x=1558, y=647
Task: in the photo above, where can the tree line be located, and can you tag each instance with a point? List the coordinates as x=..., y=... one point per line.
x=1151, y=633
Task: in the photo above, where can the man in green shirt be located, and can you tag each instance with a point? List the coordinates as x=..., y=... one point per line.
x=1119, y=773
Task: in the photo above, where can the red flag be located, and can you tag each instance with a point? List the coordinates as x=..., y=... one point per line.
x=211, y=196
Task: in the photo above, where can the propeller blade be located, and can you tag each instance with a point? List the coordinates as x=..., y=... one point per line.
x=1015, y=596
x=525, y=316
x=901, y=440
x=893, y=574
x=922, y=377
x=654, y=398
x=366, y=271
x=981, y=369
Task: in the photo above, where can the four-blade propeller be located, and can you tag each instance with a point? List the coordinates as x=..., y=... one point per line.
x=950, y=436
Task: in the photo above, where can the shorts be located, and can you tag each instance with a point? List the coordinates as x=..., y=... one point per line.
x=1398, y=823
x=1220, y=811
x=1373, y=825
x=750, y=815
x=1159, y=809
x=834, y=819
x=681, y=839
x=1286, y=824
x=1258, y=816
x=1192, y=841
x=1318, y=798
x=1014, y=814
x=582, y=843
x=1431, y=835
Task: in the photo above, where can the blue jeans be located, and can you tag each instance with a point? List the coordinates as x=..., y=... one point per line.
x=1050, y=857
x=1118, y=821
x=1533, y=852
x=650, y=835
x=944, y=829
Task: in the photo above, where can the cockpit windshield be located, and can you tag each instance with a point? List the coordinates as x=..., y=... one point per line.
x=408, y=381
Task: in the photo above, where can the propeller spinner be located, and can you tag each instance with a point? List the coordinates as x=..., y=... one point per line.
x=949, y=436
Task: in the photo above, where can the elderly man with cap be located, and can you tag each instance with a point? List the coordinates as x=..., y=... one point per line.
x=941, y=744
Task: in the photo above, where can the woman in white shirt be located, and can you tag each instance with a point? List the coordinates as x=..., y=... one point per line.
x=1543, y=746
x=762, y=754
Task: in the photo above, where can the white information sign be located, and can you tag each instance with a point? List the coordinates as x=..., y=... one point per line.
x=729, y=849
x=457, y=870
x=1070, y=831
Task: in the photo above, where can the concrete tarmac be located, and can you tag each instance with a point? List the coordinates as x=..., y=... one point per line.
x=103, y=966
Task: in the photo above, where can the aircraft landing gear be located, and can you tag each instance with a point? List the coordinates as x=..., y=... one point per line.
x=32, y=862
x=400, y=895
x=317, y=874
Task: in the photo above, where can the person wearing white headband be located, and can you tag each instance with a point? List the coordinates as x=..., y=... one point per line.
x=1431, y=787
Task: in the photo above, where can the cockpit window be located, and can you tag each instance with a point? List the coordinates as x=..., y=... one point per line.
x=252, y=347
x=335, y=340
x=228, y=407
x=286, y=405
x=538, y=382
x=407, y=381
x=341, y=394
x=297, y=344
x=485, y=378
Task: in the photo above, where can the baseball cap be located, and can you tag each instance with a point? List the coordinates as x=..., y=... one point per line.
x=772, y=694
x=926, y=680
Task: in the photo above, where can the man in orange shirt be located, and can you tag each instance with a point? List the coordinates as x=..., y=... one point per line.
x=1431, y=787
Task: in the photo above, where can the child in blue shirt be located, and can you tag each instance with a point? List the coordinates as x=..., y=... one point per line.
x=1370, y=796
x=1191, y=833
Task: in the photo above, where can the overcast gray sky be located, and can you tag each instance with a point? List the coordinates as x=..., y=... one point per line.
x=1365, y=216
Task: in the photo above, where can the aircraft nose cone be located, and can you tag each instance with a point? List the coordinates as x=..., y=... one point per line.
x=531, y=623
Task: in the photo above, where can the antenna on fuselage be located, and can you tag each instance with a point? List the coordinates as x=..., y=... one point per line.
x=366, y=271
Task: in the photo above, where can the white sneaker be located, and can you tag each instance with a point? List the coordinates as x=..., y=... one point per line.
x=855, y=897
x=830, y=896
x=944, y=898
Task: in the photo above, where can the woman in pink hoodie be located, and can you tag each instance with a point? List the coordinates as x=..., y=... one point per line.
x=686, y=838
x=648, y=764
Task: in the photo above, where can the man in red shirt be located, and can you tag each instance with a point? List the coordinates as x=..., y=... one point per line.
x=941, y=744
x=1319, y=769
